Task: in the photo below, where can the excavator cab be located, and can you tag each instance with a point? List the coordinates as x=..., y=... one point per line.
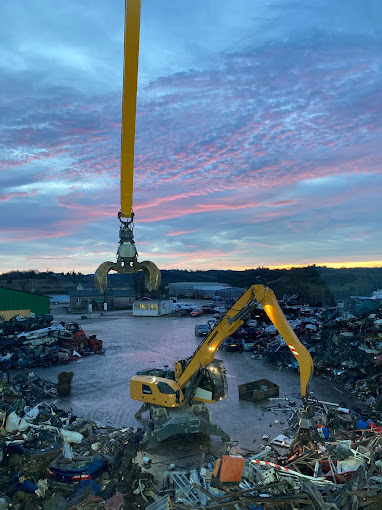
x=213, y=383
x=152, y=389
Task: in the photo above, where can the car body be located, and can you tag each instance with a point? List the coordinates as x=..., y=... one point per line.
x=219, y=309
x=77, y=469
x=196, y=312
x=232, y=344
x=181, y=312
x=202, y=330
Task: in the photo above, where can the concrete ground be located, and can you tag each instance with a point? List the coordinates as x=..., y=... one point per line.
x=100, y=387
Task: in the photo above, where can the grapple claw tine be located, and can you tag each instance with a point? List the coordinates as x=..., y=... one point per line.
x=152, y=274
x=100, y=276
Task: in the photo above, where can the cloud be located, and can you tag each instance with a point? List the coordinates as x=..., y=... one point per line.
x=275, y=146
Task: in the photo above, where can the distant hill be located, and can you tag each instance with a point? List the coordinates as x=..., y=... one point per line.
x=313, y=284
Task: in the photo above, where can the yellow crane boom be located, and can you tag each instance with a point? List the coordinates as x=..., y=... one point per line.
x=129, y=104
x=127, y=254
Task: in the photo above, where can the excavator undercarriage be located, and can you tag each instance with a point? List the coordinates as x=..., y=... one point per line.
x=192, y=418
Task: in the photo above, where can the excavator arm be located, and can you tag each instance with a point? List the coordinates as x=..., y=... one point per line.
x=127, y=254
x=232, y=320
x=187, y=382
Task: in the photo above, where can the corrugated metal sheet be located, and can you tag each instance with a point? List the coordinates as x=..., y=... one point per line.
x=17, y=300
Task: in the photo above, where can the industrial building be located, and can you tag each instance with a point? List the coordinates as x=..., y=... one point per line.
x=230, y=293
x=17, y=302
x=195, y=289
x=119, y=294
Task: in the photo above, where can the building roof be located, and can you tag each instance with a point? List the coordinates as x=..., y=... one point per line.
x=25, y=292
x=109, y=293
x=232, y=289
x=211, y=287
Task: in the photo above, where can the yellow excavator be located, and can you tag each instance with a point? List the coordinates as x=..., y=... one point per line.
x=127, y=253
x=176, y=398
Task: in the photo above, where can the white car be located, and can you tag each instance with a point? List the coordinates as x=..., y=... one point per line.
x=212, y=323
x=220, y=309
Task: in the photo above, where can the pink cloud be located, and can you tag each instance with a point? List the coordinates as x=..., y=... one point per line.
x=279, y=203
x=180, y=233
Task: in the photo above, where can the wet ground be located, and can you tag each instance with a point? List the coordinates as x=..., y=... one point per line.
x=100, y=387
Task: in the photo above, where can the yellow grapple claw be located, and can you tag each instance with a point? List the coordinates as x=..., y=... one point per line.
x=127, y=263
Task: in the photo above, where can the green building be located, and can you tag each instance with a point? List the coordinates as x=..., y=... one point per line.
x=17, y=302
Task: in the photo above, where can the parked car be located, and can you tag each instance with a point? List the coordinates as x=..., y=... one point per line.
x=196, y=312
x=244, y=332
x=232, y=344
x=182, y=312
x=219, y=309
x=208, y=309
x=202, y=330
x=211, y=323
x=249, y=344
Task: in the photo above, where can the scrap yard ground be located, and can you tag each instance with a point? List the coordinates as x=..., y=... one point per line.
x=100, y=387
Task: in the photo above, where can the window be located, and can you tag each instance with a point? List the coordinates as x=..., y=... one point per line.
x=146, y=390
x=153, y=307
x=79, y=301
x=165, y=388
x=145, y=307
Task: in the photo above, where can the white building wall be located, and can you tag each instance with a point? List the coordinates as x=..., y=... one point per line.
x=152, y=308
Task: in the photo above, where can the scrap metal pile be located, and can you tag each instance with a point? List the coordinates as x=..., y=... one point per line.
x=28, y=343
x=338, y=466
x=345, y=343
x=53, y=460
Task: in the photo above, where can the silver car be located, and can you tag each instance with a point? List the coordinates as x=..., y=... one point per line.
x=201, y=330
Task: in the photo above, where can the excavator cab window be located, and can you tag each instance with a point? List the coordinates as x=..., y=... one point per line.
x=146, y=390
x=165, y=388
x=214, y=380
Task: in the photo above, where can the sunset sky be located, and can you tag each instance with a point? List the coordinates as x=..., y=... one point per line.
x=258, y=136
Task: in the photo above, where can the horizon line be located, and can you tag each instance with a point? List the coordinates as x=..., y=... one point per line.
x=331, y=265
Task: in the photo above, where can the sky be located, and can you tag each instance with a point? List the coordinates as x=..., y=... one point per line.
x=258, y=133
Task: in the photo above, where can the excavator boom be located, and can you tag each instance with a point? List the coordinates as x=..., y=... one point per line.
x=233, y=319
